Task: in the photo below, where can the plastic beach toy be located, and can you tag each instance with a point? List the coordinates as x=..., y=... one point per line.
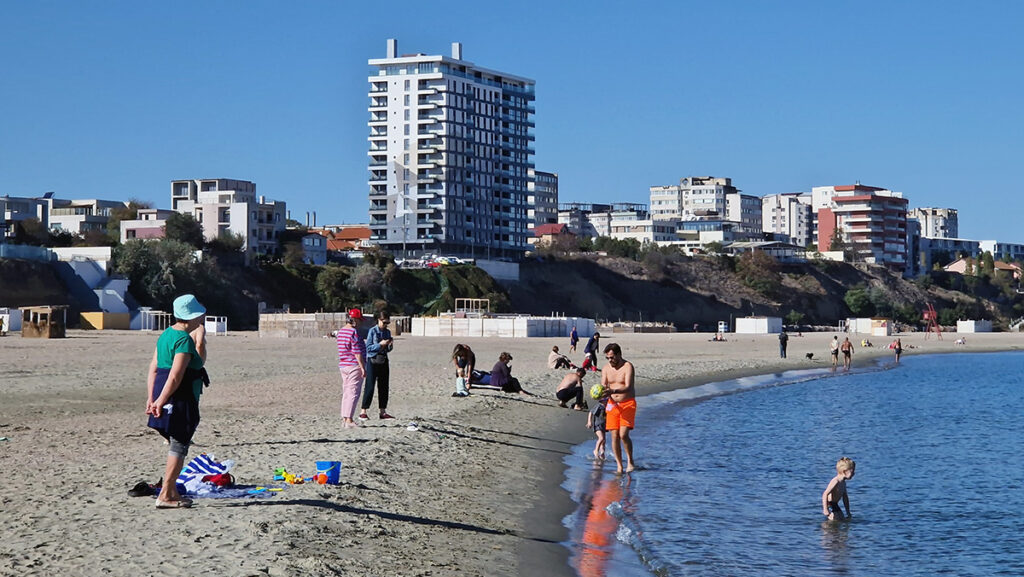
x=597, y=391
x=331, y=469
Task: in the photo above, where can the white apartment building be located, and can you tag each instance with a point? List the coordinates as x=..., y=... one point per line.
x=81, y=216
x=744, y=209
x=936, y=222
x=223, y=205
x=666, y=202
x=702, y=197
x=450, y=156
x=1004, y=251
x=543, y=199
x=148, y=223
x=788, y=214
x=14, y=209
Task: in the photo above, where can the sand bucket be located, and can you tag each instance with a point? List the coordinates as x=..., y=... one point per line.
x=330, y=468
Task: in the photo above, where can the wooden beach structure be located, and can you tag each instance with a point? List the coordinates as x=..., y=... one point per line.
x=46, y=321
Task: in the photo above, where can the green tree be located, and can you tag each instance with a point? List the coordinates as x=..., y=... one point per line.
x=759, y=271
x=159, y=271
x=184, y=228
x=859, y=302
x=988, y=265
x=366, y=282
x=330, y=286
x=294, y=256
x=794, y=318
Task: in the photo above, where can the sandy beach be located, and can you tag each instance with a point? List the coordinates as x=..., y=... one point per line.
x=473, y=491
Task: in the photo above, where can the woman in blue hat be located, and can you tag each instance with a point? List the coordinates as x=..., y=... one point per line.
x=175, y=381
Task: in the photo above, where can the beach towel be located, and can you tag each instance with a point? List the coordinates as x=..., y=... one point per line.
x=190, y=481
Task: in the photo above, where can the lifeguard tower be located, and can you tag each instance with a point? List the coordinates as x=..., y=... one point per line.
x=932, y=319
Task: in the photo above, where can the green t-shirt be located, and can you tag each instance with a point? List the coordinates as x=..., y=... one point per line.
x=171, y=342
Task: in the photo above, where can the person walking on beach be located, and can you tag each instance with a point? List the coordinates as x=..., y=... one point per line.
x=783, y=341
x=834, y=349
x=465, y=361
x=574, y=339
x=897, y=348
x=173, y=385
x=836, y=491
x=352, y=364
x=379, y=343
x=847, y=350
x=618, y=379
x=593, y=345
x=572, y=387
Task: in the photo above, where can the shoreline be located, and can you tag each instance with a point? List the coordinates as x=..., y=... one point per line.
x=476, y=490
x=547, y=516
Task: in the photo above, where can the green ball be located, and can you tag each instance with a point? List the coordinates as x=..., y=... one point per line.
x=597, y=391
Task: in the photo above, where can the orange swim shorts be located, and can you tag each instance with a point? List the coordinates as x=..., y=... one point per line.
x=620, y=415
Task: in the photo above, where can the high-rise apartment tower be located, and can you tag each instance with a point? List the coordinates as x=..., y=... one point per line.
x=450, y=156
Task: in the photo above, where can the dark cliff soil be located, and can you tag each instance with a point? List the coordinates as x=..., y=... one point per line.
x=700, y=290
x=29, y=282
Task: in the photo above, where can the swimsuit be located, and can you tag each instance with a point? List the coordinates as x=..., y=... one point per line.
x=622, y=414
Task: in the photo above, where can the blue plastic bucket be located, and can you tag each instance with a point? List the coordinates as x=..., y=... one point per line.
x=330, y=468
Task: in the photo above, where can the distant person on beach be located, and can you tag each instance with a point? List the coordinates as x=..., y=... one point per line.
x=501, y=376
x=897, y=349
x=557, y=360
x=465, y=361
x=596, y=422
x=836, y=491
x=379, y=343
x=783, y=342
x=593, y=345
x=173, y=386
x=834, y=349
x=847, y=349
x=574, y=339
x=618, y=379
x=352, y=364
x=571, y=387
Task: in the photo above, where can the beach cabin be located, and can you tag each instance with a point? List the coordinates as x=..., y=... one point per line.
x=973, y=326
x=46, y=322
x=875, y=326
x=758, y=325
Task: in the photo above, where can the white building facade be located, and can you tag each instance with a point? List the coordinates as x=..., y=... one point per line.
x=936, y=222
x=223, y=205
x=788, y=214
x=450, y=154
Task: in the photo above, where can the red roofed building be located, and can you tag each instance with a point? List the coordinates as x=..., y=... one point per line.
x=872, y=221
x=550, y=233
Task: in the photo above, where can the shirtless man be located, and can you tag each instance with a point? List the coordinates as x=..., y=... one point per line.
x=617, y=378
x=847, y=349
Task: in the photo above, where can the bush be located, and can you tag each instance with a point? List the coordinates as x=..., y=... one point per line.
x=759, y=271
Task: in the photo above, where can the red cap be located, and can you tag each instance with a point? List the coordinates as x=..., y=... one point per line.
x=355, y=314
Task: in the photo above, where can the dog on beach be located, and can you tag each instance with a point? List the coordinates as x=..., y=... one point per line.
x=810, y=356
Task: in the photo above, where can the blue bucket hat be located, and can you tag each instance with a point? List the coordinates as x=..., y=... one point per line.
x=186, y=308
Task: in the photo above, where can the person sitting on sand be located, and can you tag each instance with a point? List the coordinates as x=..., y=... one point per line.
x=465, y=361
x=501, y=376
x=557, y=360
x=572, y=387
x=836, y=491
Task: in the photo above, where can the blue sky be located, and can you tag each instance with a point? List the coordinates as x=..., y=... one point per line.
x=116, y=99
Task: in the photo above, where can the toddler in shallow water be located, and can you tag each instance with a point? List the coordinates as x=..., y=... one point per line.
x=596, y=422
x=836, y=490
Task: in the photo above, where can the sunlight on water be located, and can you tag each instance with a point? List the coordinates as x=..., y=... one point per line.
x=732, y=484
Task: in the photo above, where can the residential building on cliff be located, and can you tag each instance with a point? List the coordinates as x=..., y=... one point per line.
x=223, y=205
x=872, y=222
x=788, y=214
x=450, y=154
x=543, y=199
x=936, y=222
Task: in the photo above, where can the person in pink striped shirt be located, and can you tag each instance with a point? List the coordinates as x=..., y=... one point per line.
x=352, y=363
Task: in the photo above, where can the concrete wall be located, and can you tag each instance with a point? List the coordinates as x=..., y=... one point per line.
x=507, y=327
x=308, y=325
x=500, y=270
x=973, y=326
x=758, y=325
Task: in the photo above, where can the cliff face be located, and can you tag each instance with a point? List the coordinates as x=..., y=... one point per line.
x=28, y=282
x=703, y=291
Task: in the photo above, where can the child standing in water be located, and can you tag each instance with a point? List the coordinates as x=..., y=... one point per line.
x=836, y=490
x=596, y=422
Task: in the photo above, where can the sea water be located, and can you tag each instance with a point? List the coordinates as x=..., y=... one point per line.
x=731, y=484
